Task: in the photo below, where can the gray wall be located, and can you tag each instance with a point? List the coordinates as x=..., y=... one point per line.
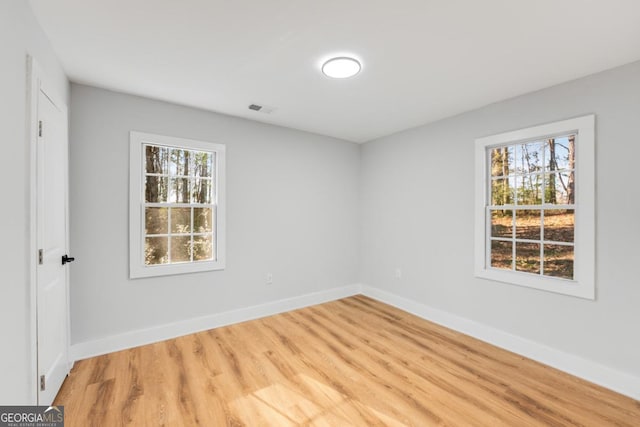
x=417, y=214
x=19, y=35
x=291, y=210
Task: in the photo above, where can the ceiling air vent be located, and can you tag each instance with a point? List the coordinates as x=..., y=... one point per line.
x=262, y=108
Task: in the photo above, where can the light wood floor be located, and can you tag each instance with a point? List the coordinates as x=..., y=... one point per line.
x=353, y=362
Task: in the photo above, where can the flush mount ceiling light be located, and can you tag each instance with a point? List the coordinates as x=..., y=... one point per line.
x=341, y=67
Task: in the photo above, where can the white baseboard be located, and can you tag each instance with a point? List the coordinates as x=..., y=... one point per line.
x=140, y=337
x=605, y=376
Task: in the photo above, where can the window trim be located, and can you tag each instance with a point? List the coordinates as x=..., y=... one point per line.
x=137, y=267
x=583, y=284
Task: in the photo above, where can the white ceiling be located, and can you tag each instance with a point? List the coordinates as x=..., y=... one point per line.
x=423, y=60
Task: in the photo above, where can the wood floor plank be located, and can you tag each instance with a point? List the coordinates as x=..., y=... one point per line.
x=352, y=362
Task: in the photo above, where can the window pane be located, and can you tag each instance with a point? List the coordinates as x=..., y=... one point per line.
x=501, y=223
x=560, y=153
x=558, y=261
x=559, y=225
x=203, y=164
x=528, y=257
x=501, y=254
x=156, y=221
x=155, y=189
x=180, y=220
x=528, y=224
x=180, y=249
x=203, y=248
x=503, y=161
x=202, y=220
x=502, y=191
x=529, y=189
x=529, y=157
x=180, y=191
x=155, y=250
x=201, y=190
x=156, y=159
x=560, y=188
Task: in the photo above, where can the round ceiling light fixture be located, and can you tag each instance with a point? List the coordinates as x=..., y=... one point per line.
x=341, y=67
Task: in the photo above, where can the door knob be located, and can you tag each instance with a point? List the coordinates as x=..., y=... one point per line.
x=66, y=259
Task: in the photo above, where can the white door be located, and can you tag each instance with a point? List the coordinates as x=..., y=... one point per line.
x=51, y=235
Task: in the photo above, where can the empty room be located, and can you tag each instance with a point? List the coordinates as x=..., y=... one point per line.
x=334, y=213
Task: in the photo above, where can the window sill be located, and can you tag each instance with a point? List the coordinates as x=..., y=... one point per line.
x=550, y=284
x=173, y=269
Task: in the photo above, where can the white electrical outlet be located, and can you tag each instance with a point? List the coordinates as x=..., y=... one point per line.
x=398, y=273
x=269, y=278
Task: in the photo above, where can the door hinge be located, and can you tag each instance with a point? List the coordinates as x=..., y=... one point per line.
x=40, y=256
x=43, y=384
x=40, y=128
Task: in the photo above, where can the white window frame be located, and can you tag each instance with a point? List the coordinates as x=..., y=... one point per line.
x=137, y=267
x=583, y=283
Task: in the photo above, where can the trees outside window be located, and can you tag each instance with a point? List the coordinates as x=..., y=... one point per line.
x=532, y=206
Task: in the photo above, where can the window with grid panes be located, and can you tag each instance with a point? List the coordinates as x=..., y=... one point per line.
x=176, y=200
x=536, y=207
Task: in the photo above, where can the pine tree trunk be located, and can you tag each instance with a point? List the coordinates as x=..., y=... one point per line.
x=153, y=166
x=553, y=166
x=186, y=183
x=572, y=164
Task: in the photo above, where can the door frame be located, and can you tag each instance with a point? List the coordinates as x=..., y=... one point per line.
x=36, y=82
